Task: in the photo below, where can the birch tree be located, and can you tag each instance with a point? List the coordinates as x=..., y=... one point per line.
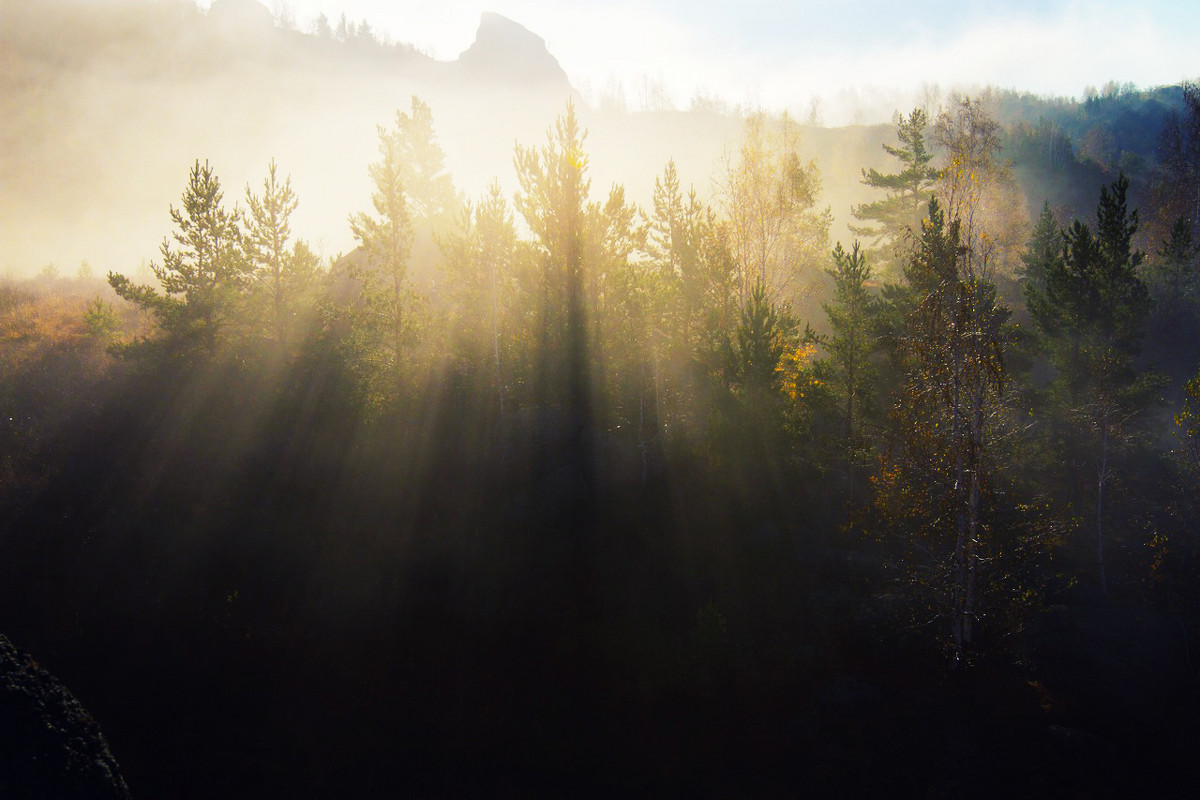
x=777, y=233
x=933, y=479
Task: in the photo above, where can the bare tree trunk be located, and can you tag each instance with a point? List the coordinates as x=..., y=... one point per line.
x=973, y=514
x=961, y=634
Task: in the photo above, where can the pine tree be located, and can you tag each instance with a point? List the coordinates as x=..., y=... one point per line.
x=382, y=324
x=897, y=216
x=687, y=244
x=321, y=27
x=1091, y=313
x=1175, y=268
x=422, y=166
x=283, y=269
x=204, y=270
x=1043, y=251
x=1174, y=280
x=1093, y=296
x=481, y=256
x=667, y=230
x=847, y=368
x=758, y=346
x=553, y=201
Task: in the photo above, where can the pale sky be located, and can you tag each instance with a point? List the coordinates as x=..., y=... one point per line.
x=782, y=54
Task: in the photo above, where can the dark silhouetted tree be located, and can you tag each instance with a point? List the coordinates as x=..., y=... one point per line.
x=1091, y=312
x=1043, y=251
x=846, y=368
x=1175, y=185
x=932, y=483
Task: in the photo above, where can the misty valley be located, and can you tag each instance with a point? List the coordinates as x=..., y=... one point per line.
x=658, y=452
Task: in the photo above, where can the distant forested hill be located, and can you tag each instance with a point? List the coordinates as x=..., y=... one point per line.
x=103, y=105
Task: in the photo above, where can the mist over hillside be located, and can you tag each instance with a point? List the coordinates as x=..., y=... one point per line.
x=706, y=452
x=104, y=106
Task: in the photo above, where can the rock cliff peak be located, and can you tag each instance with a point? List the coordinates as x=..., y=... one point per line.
x=507, y=52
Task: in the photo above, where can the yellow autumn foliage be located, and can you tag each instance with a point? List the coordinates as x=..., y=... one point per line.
x=795, y=373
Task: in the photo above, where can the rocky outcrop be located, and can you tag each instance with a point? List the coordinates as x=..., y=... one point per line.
x=242, y=17
x=507, y=53
x=50, y=746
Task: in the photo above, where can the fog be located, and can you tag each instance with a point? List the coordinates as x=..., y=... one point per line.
x=98, y=141
x=106, y=106
x=557, y=498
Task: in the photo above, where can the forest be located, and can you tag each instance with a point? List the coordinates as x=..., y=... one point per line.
x=556, y=493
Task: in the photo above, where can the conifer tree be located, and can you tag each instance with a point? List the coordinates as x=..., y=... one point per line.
x=668, y=242
x=1043, y=251
x=203, y=272
x=1175, y=184
x=1093, y=297
x=321, y=27
x=688, y=245
x=481, y=256
x=553, y=201
x=891, y=220
x=283, y=269
x=847, y=368
x=422, y=164
x=1176, y=269
x=757, y=347
x=382, y=325
x=1091, y=313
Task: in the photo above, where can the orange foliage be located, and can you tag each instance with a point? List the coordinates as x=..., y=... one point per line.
x=794, y=370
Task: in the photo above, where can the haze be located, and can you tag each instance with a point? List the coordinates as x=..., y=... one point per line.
x=847, y=54
x=97, y=141
x=869, y=468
